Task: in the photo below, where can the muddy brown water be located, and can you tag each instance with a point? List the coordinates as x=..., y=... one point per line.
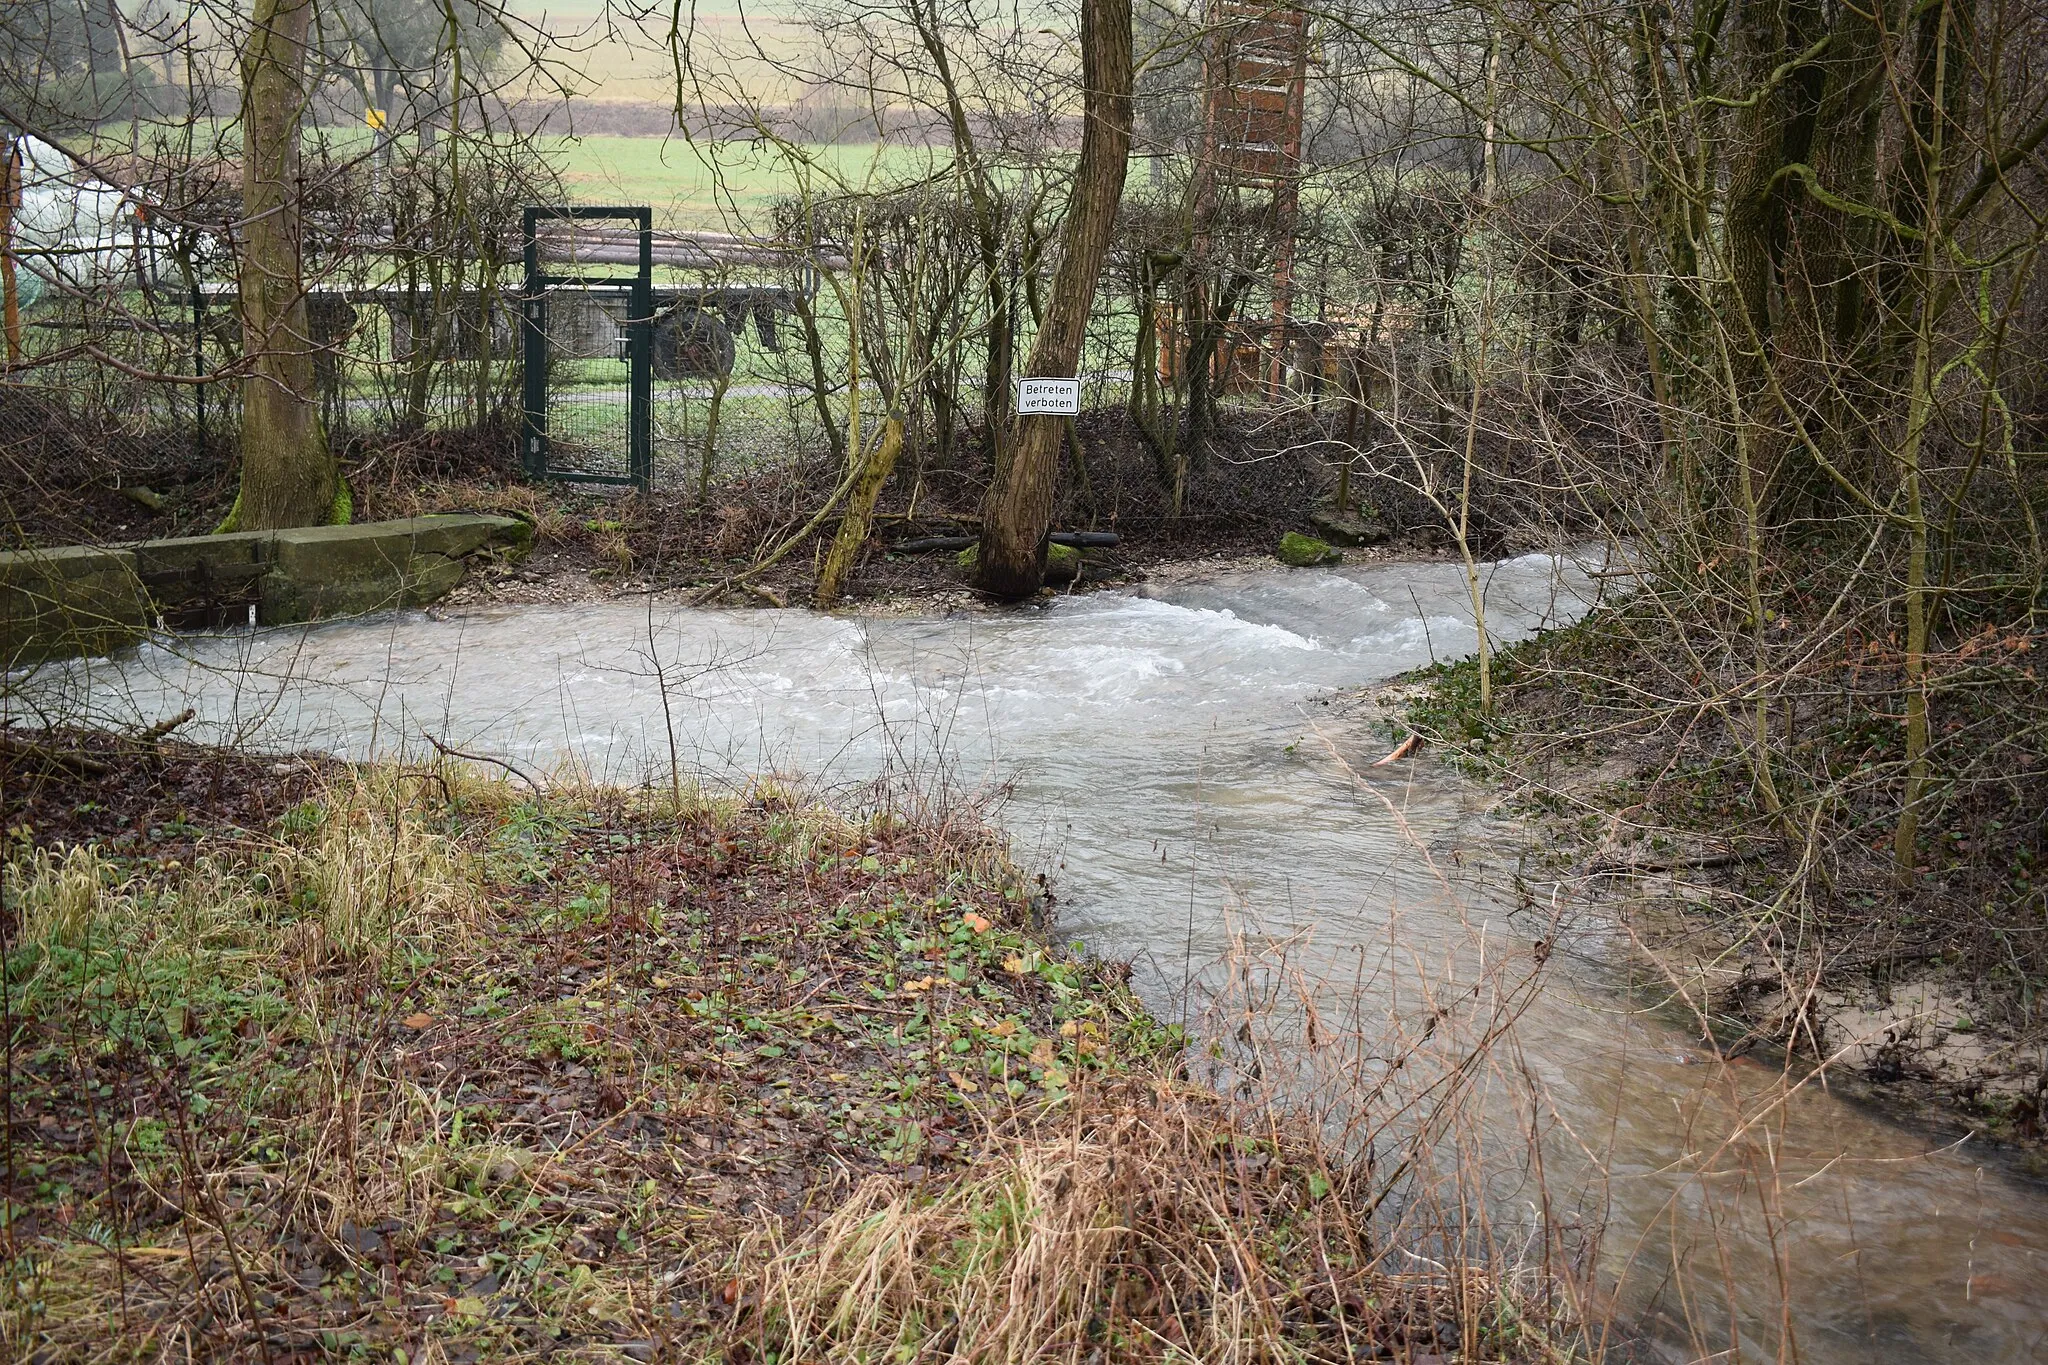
x=1184, y=765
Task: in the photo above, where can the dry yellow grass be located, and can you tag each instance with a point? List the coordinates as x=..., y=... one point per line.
x=1155, y=1223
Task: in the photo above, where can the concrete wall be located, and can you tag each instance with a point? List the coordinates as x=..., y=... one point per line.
x=81, y=599
x=73, y=599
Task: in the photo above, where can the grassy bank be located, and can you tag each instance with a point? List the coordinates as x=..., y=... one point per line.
x=1769, y=892
x=310, y=1061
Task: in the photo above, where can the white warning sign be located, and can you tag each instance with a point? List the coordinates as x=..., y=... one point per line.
x=1048, y=397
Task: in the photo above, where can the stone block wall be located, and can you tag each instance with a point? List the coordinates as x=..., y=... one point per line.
x=82, y=599
x=73, y=599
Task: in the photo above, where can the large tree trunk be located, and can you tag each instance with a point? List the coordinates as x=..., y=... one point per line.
x=288, y=472
x=1018, y=510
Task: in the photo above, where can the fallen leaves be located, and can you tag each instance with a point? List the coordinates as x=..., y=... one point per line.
x=664, y=1070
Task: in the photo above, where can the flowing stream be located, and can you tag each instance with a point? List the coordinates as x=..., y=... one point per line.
x=1184, y=764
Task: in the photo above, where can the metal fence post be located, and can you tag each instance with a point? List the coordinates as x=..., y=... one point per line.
x=640, y=325
x=533, y=333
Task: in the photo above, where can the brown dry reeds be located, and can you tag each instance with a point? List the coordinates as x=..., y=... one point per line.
x=1156, y=1223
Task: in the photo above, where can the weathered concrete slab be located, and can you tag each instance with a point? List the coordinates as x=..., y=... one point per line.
x=71, y=599
x=203, y=580
x=325, y=571
x=81, y=599
x=465, y=534
x=196, y=555
x=318, y=573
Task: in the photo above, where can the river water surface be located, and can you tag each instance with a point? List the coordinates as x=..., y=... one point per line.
x=1182, y=763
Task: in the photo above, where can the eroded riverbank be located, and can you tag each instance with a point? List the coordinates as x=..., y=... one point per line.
x=1778, y=931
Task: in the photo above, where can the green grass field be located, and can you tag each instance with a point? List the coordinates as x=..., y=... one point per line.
x=729, y=186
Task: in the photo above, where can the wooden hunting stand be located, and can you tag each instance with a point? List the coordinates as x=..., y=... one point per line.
x=1255, y=77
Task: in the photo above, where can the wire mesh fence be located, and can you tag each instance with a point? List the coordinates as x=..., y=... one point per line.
x=754, y=371
x=588, y=394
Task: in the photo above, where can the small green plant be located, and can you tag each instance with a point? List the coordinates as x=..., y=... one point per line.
x=302, y=821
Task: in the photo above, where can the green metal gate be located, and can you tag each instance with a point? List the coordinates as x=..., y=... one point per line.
x=587, y=320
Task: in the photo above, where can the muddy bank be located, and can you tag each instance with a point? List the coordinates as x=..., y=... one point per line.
x=1255, y=480
x=1920, y=999
x=920, y=585
x=311, y=1060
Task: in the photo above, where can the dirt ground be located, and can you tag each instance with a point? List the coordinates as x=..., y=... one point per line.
x=1258, y=480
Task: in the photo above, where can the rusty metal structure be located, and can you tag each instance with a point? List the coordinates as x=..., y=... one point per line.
x=1255, y=77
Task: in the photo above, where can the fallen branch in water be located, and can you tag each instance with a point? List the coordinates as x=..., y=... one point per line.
x=1408, y=748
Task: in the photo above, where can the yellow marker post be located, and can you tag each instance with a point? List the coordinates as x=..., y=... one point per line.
x=375, y=118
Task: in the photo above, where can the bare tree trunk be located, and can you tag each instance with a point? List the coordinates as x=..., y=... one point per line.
x=821, y=387
x=288, y=472
x=719, y=384
x=988, y=234
x=1905, y=844
x=1018, y=510
x=1155, y=416
x=1204, y=340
